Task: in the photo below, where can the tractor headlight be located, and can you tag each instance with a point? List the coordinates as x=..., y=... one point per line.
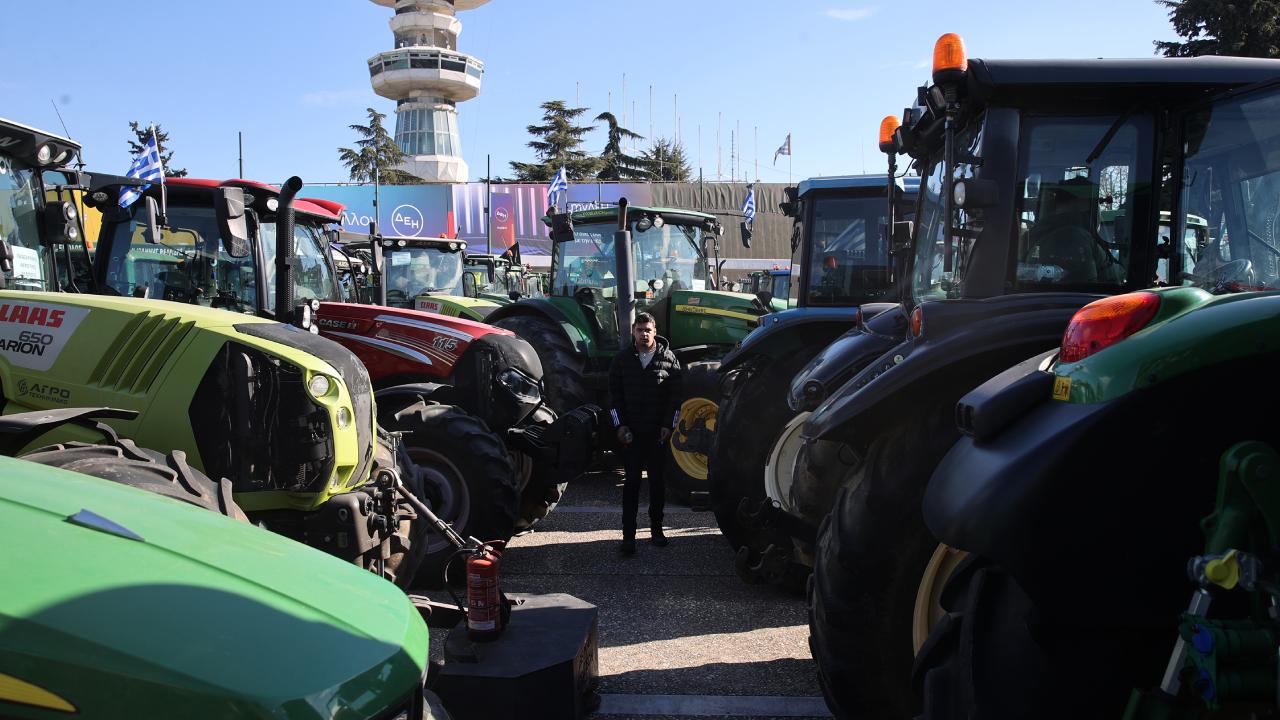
x=44, y=155
x=520, y=385
x=344, y=418
x=319, y=386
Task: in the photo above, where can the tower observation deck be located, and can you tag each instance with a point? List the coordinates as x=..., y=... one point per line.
x=427, y=77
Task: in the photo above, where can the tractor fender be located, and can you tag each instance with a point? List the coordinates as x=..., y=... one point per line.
x=964, y=342
x=845, y=356
x=781, y=333
x=409, y=393
x=539, y=307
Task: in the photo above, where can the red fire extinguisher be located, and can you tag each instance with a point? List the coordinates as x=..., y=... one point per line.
x=484, y=595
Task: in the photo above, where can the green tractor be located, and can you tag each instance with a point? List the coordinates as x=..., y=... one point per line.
x=123, y=603
x=586, y=316
x=1117, y=496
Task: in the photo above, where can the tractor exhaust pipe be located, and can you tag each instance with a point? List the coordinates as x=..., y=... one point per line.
x=624, y=271
x=285, y=251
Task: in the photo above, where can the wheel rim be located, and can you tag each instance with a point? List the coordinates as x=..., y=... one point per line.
x=692, y=412
x=928, y=610
x=447, y=491
x=779, y=471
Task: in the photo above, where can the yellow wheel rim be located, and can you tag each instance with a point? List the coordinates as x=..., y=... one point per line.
x=693, y=410
x=928, y=610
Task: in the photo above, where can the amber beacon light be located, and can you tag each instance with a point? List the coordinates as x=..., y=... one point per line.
x=949, y=59
x=888, y=126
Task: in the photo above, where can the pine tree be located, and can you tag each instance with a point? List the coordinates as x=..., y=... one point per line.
x=375, y=149
x=557, y=143
x=1249, y=28
x=667, y=161
x=616, y=164
x=143, y=134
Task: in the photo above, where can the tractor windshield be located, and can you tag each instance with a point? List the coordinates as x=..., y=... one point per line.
x=20, y=204
x=415, y=270
x=670, y=254
x=1231, y=182
x=937, y=272
x=313, y=276
x=848, y=263
x=188, y=265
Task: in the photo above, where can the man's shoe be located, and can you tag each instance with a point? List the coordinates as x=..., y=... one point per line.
x=657, y=538
x=628, y=547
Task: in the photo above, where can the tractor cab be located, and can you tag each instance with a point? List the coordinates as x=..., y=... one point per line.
x=196, y=257
x=428, y=274
x=498, y=278
x=39, y=220
x=669, y=270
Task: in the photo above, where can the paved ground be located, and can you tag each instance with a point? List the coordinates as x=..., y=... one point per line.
x=680, y=634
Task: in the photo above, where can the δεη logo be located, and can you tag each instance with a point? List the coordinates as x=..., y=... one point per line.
x=44, y=391
x=500, y=214
x=406, y=221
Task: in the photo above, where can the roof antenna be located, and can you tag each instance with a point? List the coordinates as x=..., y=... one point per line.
x=67, y=133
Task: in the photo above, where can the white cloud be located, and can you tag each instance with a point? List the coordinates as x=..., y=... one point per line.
x=330, y=98
x=850, y=14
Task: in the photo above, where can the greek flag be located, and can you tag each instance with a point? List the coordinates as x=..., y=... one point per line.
x=559, y=184
x=749, y=206
x=784, y=150
x=146, y=166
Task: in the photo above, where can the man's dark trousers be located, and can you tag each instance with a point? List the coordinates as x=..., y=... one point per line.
x=644, y=454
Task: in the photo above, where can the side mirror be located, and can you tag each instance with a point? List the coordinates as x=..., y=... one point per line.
x=6, y=258
x=150, y=211
x=469, y=285
x=561, y=227
x=233, y=224
x=902, y=232
x=765, y=297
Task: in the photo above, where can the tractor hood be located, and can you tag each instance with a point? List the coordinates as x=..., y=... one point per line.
x=121, y=603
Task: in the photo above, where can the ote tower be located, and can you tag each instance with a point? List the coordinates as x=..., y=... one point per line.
x=427, y=77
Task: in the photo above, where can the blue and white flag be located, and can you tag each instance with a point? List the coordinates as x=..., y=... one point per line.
x=749, y=206
x=784, y=150
x=146, y=166
x=559, y=184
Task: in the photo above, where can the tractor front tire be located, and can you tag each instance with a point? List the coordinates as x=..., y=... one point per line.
x=126, y=463
x=562, y=366
x=467, y=477
x=871, y=552
x=540, y=494
x=699, y=405
x=748, y=427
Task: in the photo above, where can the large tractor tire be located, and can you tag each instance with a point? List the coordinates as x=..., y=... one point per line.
x=699, y=404
x=748, y=429
x=871, y=552
x=539, y=494
x=562, y=366
x=467, y=477
x=126, y=463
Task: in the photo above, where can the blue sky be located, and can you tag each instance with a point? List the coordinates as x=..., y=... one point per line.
x=291, y=74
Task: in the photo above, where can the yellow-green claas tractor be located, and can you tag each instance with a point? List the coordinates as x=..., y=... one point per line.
x=282, y=420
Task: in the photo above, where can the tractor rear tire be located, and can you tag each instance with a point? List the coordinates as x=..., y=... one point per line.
x=468, y=479
x=747, y=428
x=126, y=463
x=562, y=366
x=541, y=494
x=871, y=552
x=699, y=404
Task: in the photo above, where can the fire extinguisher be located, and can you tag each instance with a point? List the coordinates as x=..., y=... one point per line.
x=484, y=595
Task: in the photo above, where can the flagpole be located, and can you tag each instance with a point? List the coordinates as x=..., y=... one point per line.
x=164, y=190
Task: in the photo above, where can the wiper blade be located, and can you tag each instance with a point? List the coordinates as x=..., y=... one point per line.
x=1106, y=139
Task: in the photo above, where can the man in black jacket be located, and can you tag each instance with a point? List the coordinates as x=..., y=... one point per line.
x=644, y=387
